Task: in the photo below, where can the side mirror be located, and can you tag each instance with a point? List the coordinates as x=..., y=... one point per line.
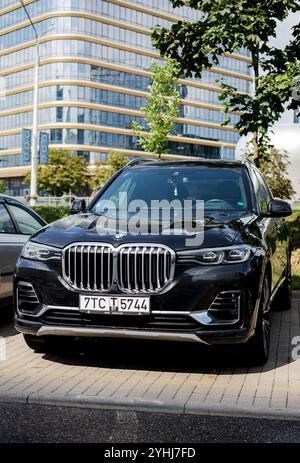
x=78, y=206
x=278, y=208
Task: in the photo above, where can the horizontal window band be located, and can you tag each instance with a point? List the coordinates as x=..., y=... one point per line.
x=15, y=6
x=84, y=38
x=93, y=17
x=119, y=131
x=10, y=152
x=16, y=171
x=99, y=149
x=21, y=171
x=79, y=14
x=104, y=64
x=132, y=6
x=123, y=47
x=147, y=10
x=113, y=109
x=112, y=66
x=112, y=88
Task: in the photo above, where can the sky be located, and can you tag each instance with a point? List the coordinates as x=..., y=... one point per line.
x=284, y=30
x=285, y=135
x=284, y=34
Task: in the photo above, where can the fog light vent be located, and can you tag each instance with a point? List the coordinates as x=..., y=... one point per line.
x=27, y=299
x=226, y=307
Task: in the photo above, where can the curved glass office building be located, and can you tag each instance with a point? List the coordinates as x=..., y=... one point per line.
x=94, y=79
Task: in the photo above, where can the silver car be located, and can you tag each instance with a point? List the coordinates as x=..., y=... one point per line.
x=17, y=223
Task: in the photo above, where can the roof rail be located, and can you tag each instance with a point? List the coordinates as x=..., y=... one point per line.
x=137, y=160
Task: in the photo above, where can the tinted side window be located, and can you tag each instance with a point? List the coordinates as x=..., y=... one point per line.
x=27, y=223
x=263, y=181
x=262, y=192
x=6, y=224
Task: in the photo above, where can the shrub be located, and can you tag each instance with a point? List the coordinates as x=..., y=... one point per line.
x=296, y=269
x=52, y=213
x=294, y=227
x=63, y=173
x=104, y=171
x=2, y=187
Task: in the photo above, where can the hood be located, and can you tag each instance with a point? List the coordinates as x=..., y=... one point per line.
x=219, y=230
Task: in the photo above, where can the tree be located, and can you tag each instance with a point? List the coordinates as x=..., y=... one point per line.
x=62, y=174
x=282, y=73
x=277, y=88
x=161, y=110
x=2, y=187
x=227, y=26
x=104, y=171
x=274, y=166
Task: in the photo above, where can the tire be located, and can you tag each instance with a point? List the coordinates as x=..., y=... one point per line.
x=283, y=299
x=258, y=347
x=47, y=345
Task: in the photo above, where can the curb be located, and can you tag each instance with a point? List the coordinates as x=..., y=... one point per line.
x=135, y=404
x=152, y=406
x=181, y=406
x=278, y=414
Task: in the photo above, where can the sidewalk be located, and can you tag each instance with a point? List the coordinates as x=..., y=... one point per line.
x=158, y=377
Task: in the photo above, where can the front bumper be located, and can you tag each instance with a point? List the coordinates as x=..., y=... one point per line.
x=230, y=336
x=177, y=314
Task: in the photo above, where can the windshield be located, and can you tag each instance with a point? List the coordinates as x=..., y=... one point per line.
x=222, y=189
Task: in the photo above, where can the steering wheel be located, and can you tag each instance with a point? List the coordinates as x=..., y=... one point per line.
x=225, y=204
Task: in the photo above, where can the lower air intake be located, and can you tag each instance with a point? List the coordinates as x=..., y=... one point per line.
x=27, y=300
x=226, y=307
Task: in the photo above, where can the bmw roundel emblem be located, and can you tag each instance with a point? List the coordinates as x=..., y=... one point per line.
x=119, y=236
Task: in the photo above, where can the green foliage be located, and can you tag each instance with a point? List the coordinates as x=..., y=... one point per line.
x=161, y=110
x=294, y=228
x=63, y=174
x=229, y=25
x=296, y=269
x=104, y=171
x=282, y=69
x=274, y=90
x=273, y=165
x=52, y=213
x=296, y=277
x=2, y=187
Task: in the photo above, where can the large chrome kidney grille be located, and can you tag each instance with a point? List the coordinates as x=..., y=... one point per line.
x=88, y=267
x=145, y=269
x=135, y=269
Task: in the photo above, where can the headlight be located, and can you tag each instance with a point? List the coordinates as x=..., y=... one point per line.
x=215, y=256
x=42, y=252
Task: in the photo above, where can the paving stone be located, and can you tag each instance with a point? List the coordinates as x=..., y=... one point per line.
x=275, y=387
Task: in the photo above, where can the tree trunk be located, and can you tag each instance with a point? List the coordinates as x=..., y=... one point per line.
x=255, y=141
x=256, y=153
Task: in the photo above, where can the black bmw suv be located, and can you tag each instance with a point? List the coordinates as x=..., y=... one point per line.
x=210, y=281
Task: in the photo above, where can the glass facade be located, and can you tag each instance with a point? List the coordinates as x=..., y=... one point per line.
x=94, y=79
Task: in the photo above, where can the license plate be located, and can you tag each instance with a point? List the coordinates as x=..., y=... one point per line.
x=115, y=304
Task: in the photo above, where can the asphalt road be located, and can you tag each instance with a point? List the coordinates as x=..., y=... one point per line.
x=42, y=424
